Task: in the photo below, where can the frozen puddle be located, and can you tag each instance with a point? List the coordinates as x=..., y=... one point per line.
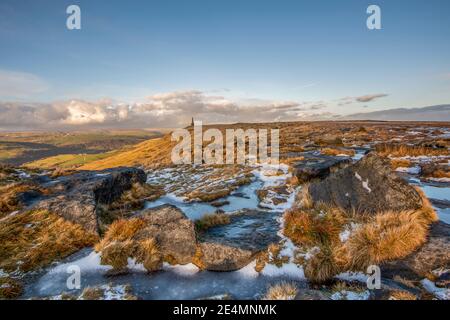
x=243, y=198
x=174, y=282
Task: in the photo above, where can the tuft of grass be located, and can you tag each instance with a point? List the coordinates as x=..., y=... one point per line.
x=319, y=225
x=322, y=266
x=148, y=254
x=211, y=220
x=272, y=256
x=402, y=150
x=335, y=152
x=281, y=291
x=402, y=295
x=10, y=288
x=386, y=236
x=34, y=239
x=400, y=163
x=9, y=196
x=122, y=241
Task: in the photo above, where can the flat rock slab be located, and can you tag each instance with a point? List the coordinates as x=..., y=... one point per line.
x=315, y=166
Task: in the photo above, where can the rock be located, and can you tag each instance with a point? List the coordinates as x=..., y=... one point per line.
x=318, y=166
x=220, y=203
x=368, y=186
x=219, y=257
x=173, y=231
x=433, y=255
x=443, y=281
x=75, y=197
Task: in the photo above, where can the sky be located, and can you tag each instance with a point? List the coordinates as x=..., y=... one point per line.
x=157, y=63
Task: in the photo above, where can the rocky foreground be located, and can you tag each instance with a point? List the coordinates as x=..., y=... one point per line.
x=324, y=220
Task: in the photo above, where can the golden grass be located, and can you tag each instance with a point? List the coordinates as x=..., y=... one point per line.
x=9, y=196
x=400, y=163
x=211, y=220
x=272, y=256
x=402, y=150
x=122, y=241
x=435, y=171
x=322, y=266
x=10, y=288
x=378, y=238
x=121, y=230
x=151, y=153
x=148, y=254
x=402, y=295
x=34, y=239
x=386, y=236
x=319, y=225
x=335, y=152
x=281, y=291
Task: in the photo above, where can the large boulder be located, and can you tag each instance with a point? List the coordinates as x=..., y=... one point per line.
x=368, y=186
x=315, y=166
x=220, y=257
x=434, y=255
x=173, y=231
x=75, y=197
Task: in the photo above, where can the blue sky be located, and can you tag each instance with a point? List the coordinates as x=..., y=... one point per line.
x=252, y=50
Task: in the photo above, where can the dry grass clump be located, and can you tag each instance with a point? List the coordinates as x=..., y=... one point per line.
x=319, y=225
x=434, y=171
x=134, y=198
x=322, y=266
x=402, y=295
x=272, y=256
x=211, y=220
x=386, y=236
x=382, y=237
x=400, y=163
x=10, y=288
x=9, y=196
x=281, y=291
x=34, y=239
x=60, y=172
x=335, y=152
x=402, y=150
x=122, y=241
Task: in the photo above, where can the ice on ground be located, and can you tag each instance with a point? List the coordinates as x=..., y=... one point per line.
x=440, y=293
x=410, y=170
x=350, y=295
x=352, y=276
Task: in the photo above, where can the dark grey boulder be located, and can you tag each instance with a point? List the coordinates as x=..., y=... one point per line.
x=368, y=186
x=318, y=166
x=75, y=197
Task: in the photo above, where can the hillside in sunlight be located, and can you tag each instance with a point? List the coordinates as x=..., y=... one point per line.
x=150, y=153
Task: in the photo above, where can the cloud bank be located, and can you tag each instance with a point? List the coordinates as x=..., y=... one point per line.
x=173, y=109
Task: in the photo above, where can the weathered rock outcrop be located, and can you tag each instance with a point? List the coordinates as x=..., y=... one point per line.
x=173, y=231
x=318, y=166
x=368, y=186
x=75, y=197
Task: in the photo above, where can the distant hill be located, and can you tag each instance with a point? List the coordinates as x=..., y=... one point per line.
x=433, y=113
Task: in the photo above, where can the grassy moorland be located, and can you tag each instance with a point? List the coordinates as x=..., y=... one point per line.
x=66, y=149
